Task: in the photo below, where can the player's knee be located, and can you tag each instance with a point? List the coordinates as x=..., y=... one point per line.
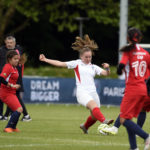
x=122, y=120
x=20, y=109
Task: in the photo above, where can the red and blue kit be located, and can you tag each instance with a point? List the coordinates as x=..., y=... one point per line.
x=8, y=94
x=138, y=60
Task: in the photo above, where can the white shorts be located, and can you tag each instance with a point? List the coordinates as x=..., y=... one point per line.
x=83, y=97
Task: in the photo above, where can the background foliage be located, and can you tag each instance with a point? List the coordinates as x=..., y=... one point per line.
x=49, y=26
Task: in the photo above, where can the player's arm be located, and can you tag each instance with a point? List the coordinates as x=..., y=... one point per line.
x=2, y=80
x=120, y=69
x=106, y=70
x=123, y=62
x=52, y=62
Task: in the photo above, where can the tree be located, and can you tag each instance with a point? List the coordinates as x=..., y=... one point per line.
x=63, y=12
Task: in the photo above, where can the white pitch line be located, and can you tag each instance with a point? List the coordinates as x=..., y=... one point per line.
x=62, y=142
x=23, y=145
x=57, y=144
x=18, y=137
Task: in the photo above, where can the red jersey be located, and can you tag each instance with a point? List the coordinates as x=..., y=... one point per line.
x=10, y=74
x=138, y=60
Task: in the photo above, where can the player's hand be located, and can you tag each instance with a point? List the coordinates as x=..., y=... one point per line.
x=105, y=65
x=16, y=86
x=42, y=57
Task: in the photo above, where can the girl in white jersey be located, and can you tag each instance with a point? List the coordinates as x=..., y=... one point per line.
x=85, y=72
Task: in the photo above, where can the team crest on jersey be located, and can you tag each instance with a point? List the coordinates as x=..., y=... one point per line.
x=4, y=74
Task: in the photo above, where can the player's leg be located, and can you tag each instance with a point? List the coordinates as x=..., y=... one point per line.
x=7, y=113
x=14, y=105
x=96, y=113
x=1, y=110
x=26, y=116
x=87, y=101
x=89, y=122
x=131, y=107
x=94, y=106
x=132, y=139
x=141, y=118
x=146, y=108
x=130, y=125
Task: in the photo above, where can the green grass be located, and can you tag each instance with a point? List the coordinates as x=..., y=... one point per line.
x=59, y=72
x=56, y=127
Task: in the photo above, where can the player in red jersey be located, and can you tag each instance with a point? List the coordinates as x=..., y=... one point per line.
x=8, y=79
x=135, y=93
x=138, y=60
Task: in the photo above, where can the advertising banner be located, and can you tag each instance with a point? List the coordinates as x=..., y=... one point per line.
x=63, y=90
x=45, y=90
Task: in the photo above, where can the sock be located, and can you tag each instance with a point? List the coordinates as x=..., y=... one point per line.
x=97, y=114
x=132, y=139
x=135, y=128
x=141, y=118
x=89, y=122
x=13, y=120
x=117, y=122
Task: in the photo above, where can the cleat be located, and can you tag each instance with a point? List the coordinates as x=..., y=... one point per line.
x=110, y=130
x=1, y=117
x=5, y=118
x=101, y=126
x=103, y=133
x=16, y=130
x=135, y=149
x=8, y=130
x=147, y=143
x=26, y=118
x=108, y=122
x=83, y=129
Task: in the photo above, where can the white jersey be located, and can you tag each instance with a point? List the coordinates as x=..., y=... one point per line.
x=84, y=74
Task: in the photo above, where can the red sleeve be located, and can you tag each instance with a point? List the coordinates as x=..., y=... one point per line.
x=125, y=58
x=7, y=69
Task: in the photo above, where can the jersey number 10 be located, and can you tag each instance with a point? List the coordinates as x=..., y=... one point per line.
x=140, y=68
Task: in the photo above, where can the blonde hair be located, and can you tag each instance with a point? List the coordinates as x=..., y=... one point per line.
x=85, y=44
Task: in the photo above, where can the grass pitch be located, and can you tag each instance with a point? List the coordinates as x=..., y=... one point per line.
x=56, y=127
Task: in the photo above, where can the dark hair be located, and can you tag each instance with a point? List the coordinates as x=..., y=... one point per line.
x=11, y=54
x=134, y=36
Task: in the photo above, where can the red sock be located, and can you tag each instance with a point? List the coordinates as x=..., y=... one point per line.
x=97, y=114
x=89, y=122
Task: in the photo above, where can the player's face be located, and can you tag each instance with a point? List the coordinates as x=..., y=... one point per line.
x=86, y=57
x=10, y=44
x=14, y=60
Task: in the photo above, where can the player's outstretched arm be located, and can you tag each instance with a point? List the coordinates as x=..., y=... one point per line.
x=52, y=62
x=106, y=70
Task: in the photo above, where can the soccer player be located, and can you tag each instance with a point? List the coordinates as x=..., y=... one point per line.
x=85, y=72
x=8, y=79
x=132, y=103
x=10, y=44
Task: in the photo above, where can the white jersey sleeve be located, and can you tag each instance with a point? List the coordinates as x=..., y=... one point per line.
x=97, y=69
x=72, y=64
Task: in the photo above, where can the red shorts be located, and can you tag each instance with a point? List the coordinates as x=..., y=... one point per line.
x=131, y=105
x=146, y=106
x=10, y=100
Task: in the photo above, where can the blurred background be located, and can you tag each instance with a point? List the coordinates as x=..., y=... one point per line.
x=50, y=26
